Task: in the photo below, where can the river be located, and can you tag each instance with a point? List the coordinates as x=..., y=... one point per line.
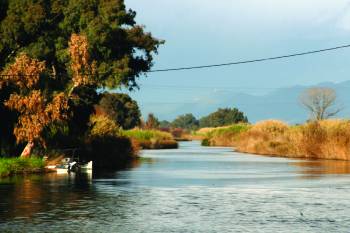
x=191, y=189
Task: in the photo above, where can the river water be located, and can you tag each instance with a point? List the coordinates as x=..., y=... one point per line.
x=192, y=189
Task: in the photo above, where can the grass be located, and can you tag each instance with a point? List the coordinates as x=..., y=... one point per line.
x=328, y=139
x=152, y=139
x=224, y=136
x=12, y=166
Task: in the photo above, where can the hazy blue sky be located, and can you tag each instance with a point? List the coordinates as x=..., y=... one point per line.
x=205, y=31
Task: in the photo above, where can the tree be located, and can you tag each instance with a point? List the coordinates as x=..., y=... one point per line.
x=164, y=124
x=37, y=105
x=222, y=117
x=123, y=110
x=121, y=49
x=55, y=55
x=35, y=110
x=152, y=122
x=320, y=102
x=187, y=121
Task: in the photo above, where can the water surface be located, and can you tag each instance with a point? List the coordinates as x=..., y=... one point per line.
x=192, y=189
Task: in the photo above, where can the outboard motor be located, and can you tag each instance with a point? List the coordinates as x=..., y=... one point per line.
x=71, y=166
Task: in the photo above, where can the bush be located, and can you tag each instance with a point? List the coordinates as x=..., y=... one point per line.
x=106, y=145
x=103, y=126
x=205, y=142
x=110, y=151
x=224, y=136
x=152, y=139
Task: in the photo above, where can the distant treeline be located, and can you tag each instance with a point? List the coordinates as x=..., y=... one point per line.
x=221, y=117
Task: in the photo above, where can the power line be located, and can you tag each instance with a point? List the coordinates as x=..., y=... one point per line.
x=215, y=103
x=230, y=88
x=222, y=64
x=251, y=61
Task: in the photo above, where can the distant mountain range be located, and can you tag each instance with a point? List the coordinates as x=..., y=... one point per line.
x=282, y=103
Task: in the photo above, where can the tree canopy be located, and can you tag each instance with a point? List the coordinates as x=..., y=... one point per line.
x=222, y=117
x=121, y=49
x=123, y=110
x=186, y=121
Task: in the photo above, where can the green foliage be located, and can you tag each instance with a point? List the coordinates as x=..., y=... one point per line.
x=103, y=126
x=81, y=106
x=187, y=121
x=222, y=117
x=118, y=48
x=121, y=48
x=225, y=136
x=164, y=124
x=11, y=166
x=152, y=139
x=205, y=142
x=109, y=151
x=231, y=130
x=141, y=135
x=106, y=145
x=121, y=108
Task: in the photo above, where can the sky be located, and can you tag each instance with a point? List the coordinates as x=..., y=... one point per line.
x=200, y=32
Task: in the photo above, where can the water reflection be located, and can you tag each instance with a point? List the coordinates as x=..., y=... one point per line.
x=28, y=195
x=319, y=168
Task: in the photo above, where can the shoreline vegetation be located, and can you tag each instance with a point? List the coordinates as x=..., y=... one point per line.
x=102, y=150
x=16, y=166
x=325, y=139
x=151, y=139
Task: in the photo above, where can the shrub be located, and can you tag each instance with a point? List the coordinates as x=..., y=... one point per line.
x=106, y=145
x=103, y=126
x=225, y=136
x=152, y=139
x=110, y=151
x=205, y=142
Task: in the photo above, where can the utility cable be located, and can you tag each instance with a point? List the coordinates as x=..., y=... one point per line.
x=251, y=61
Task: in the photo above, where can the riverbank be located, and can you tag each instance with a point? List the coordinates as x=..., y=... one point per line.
x=107, y=151
x=14, y=166
x=328, y=139
x=152, y=139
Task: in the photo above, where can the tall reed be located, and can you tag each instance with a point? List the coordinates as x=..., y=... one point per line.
x=327, y=139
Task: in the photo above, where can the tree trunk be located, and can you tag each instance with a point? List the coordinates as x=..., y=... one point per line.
x=27, y=150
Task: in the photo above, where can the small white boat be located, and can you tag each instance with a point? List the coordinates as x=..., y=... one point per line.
x=86, y=167
x=65, y=167
x=69, y=165
x=62, y=170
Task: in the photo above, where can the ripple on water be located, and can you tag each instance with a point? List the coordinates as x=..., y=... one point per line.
x=188, y=190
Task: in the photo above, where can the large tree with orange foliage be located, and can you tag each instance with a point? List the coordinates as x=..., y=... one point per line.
x=37, y=109
x=86, y=45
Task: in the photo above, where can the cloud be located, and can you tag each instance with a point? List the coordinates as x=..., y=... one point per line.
x=240, y=12
x=343, y=21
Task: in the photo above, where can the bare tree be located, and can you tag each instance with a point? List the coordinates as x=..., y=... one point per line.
x=320, y=102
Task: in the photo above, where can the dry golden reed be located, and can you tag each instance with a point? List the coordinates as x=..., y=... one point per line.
x=327, y=139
